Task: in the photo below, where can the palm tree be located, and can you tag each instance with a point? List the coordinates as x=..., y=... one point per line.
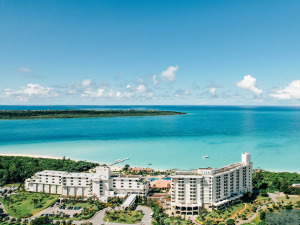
x=107, y=212
x=113, y=207
x=34, y=201
x=118, y=205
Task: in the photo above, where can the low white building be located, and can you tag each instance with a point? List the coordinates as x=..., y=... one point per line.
x=101, y=184
x=209, y=187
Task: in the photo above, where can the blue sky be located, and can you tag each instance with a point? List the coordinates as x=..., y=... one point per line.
x=150, y=52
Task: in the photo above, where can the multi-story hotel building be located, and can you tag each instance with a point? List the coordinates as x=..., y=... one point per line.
x=209, y=187
x=101, y=184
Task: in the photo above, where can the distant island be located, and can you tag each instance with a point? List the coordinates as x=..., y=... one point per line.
x=65, y=114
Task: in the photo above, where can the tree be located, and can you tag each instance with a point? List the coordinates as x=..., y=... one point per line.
x=262, y=215
x=35, y=202
x=263, y=192
x=209, y=222
x=126, y=167
x=57, y=223
x=42, y=221
x=230, y=222
x=287, y=196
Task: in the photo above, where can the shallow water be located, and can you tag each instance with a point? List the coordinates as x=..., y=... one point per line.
x=270, y=134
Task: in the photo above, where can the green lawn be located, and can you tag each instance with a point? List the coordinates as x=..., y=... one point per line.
x=291, y=199
x=121, y=216
x=182, y=222
x=226, y=213
x=8, y=185
x=22, y=203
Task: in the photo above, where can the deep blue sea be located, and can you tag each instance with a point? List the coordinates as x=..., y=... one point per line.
x=270, y=134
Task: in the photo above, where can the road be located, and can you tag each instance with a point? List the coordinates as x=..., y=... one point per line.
x=98, y=218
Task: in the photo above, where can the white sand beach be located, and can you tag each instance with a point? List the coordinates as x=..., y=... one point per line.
x=32, y=156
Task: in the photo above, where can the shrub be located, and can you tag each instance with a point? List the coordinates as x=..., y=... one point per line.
x=262, y=215
x=288, y=207
x=230, y=222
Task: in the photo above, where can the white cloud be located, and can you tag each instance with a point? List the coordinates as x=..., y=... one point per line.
x=128, y=86
x=86, y=82
x=24, y=70
x=292, y=91
x=72, y=91
x=102, y=94
x=141, y=80
x=170, y=73
x=180, y=92
x=30, y=92
x=155, y=81
x=249, y=83
x=141, y=88
x=187, y=92
x=212, y=90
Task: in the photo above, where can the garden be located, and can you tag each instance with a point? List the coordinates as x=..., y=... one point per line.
x=123, y=216
x=26, y=204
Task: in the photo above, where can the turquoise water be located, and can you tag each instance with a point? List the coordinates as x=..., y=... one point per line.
x=270, y=134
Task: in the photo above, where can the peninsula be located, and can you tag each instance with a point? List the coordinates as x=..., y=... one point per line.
x=64, y=114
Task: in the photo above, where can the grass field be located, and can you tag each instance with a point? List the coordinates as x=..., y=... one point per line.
x=226, y=213
x=8, y=185
x=23, y=203
x=121, y=216
x=83, y=205
x=291, y=199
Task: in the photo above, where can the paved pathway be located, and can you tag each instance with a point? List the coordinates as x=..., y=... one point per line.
x=273, y=196
x=98, y=218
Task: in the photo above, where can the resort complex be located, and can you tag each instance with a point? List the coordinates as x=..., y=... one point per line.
x=205, y=187
x=209, y=187
x=101, y=184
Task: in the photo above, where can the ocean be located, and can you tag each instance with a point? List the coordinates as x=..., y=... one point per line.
x=270, y=134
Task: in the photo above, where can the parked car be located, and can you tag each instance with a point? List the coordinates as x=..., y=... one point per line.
x=75, y=215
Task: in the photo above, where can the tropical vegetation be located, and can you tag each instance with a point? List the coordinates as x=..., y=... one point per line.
x=63, y=114
x=16, y=169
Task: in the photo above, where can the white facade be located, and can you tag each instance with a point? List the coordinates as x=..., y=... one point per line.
x=209, y=187
x=101, y=184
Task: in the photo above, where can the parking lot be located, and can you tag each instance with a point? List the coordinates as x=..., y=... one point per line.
x=56, y=210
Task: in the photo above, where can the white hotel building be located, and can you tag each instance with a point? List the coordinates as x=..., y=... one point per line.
x=101, y=184
x=209, y=187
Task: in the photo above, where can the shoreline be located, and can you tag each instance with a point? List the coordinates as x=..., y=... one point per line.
x=32, y=156
x=156, y=169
